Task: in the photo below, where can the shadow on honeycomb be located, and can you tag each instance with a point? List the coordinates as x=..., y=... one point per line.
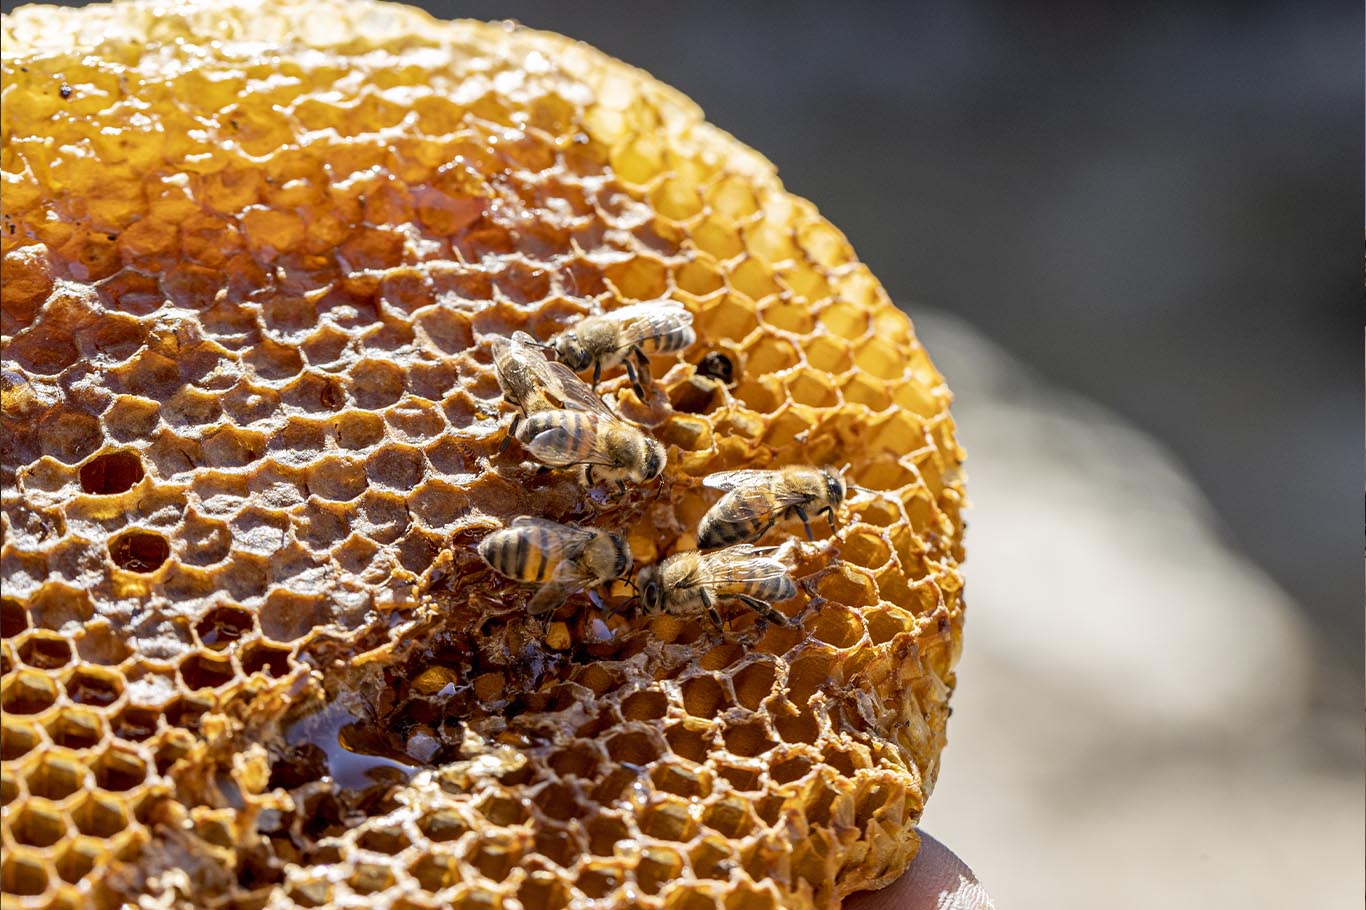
x=250, y=657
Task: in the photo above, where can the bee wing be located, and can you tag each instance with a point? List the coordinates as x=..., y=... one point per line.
x=548, y=599
x=557, y=445
x=736, y=565
x=565, y=384
x=651, y=319
x=569, y=538
x=751, y=494
x=730, y=480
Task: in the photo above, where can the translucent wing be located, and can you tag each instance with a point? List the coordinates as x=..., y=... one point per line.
x=565, y=384
x=568, y=538
x=730, y=480
x=751, y=494
x=736, y=565
x=558, y=445
x=548, y=599
x=652, y=319
x=522, y=368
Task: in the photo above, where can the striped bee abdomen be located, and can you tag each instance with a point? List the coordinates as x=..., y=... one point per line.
x=773, y=590
x=559, y=437
x=521, y=553
x=674, y=340
x=714, y=531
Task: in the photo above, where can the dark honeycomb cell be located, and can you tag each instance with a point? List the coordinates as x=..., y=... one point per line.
x=110, y=473
x=250, y=656
x=139, y=551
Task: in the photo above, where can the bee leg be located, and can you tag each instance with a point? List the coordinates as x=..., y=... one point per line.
x=512, y=431
x=588, y=475
x=806, y=522
x=546, y=601
x=830, y=517
x=597, y=373
x=621, y=488
x=710, y=604
x=764, y=609
x=635, y=380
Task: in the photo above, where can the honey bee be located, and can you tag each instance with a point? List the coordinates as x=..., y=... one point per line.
x=691, y=582
x=602, y=342
x=755, y=500
x=609, y=449
x=532, y=383
x=561, y=558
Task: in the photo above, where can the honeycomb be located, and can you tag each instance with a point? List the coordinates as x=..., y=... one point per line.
x=253, y=257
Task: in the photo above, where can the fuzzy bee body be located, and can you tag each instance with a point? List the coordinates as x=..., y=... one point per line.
x=756, y=500
x=562, y=422
x=609, y=340
x=609, y=449
x=561, y=558
x=693, y=582
x=532, y=383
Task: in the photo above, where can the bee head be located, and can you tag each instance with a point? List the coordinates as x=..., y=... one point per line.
x=651, y=591
x=651, y=460
x=571, y=351
x=834, y=486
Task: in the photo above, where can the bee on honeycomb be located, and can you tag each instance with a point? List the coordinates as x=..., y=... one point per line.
x=254, y=256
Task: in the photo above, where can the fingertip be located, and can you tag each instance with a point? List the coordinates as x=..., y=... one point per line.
x=936, y=880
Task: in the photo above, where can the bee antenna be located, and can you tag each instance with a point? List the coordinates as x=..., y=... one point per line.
x=881, y=494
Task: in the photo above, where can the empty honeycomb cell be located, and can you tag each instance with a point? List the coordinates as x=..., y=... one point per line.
x=846, y=320
x=10, y=788
x=56, y=775
x=76, y=729
x=23, y=873
x=435, y=872
x=262, y=658
x=18, y=738
x=27, y=692
x=703, y=696
x=811, y=388
x=111, y=473
x=200, y=671
x=881, y=358
x=754, y=683
x=134, y=723
x=633, y=748
x=45, y=651
x=77, y=860
x=38, y=825
x=648, y=705
x=748, y=739
x=13, y=618
x=886, y=624
x=99, y=816
x=222, y=626
x=119, y=770
x=139, y=551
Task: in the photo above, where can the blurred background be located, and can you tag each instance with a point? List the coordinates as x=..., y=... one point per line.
x=1130, y=235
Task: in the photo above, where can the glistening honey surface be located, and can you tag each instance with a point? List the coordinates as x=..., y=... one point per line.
x=250, y=657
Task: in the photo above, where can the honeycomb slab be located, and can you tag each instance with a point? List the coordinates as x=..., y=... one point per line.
x=254, y=254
